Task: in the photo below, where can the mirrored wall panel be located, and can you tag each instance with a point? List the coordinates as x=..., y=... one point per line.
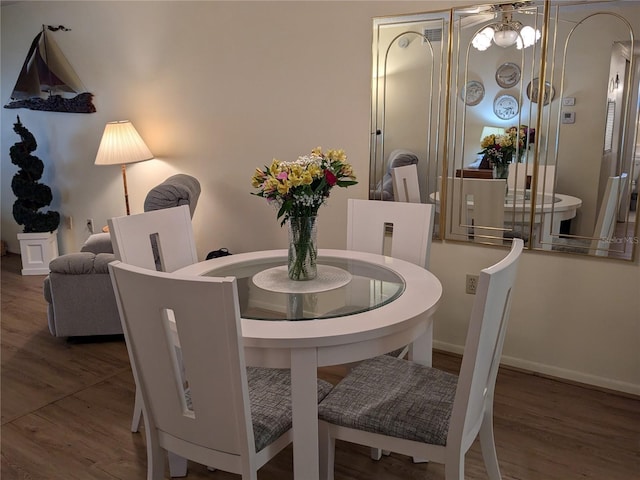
x=521, y=119
x=408, y=105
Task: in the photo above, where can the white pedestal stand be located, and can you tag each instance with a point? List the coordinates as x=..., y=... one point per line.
x=37, y=250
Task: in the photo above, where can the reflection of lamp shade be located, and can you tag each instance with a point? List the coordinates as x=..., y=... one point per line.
x=505, y=38
x=487, y=130
x=528, y=36
x=121, y=144
x=482, y=40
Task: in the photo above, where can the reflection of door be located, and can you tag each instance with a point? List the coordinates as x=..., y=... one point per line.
x=615, y=159
x=630, y=163
x=408, y=94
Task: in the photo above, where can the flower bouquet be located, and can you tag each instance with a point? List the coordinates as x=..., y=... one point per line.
x=298, y=189
x=500, y=150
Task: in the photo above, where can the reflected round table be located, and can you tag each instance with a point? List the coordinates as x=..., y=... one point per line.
x=550, y=211
x=360, y=306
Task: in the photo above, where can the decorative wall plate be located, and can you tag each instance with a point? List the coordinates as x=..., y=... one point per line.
x=508, y=75
x=506, y=107
x=472, y=93
x=532, y=91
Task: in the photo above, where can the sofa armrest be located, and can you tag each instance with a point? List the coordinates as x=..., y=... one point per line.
x=80, y=296
x=98, y=243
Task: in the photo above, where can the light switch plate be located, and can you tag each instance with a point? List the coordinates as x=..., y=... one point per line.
x=569, y=101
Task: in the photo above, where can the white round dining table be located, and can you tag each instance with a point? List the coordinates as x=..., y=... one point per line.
x=386, y=304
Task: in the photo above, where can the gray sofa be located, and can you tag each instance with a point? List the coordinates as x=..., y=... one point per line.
x=78, y=288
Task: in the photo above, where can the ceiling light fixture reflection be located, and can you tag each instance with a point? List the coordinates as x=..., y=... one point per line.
x=507, y=33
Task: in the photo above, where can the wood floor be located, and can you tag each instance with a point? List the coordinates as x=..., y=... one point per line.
x=66, y=410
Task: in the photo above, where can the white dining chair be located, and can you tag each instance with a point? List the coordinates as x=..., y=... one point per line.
x=406, y=187
x=160, y=240
x=605, y=223
x=476, y=209
x=406, y=407
x=228, y=416
x=398, y=229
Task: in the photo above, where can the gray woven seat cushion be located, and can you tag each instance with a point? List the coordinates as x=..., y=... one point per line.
x=393, y=397
x=270, y=400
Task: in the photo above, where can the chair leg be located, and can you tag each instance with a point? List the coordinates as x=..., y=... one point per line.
x=155, y=456
x=488, y=446
x=376, y=453
x=137, y=412
x=177, y=465
x=327, y=451
x=454, y=467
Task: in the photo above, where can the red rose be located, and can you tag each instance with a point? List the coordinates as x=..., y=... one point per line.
x=331, y=178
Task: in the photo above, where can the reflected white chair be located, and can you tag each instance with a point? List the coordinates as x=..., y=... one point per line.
x=476, y=209
x=406, y=187
x=605, y=224
x=519, y=173
x=420, y=411
x=229, y=417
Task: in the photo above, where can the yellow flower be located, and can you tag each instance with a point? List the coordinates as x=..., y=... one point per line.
x=295, y=177
x=270, y=184
x=306, y=178
x=506, y=141
x=283, y=187
x=274, y=169
x=488, y=141
x=347, y=171
x=258, y=178
x=314, y=170
x=317, y=151
x=337, y=155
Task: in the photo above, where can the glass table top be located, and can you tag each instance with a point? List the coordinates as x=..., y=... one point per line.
x=344, y=287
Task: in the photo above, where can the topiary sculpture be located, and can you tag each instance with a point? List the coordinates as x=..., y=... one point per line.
x=32, y=196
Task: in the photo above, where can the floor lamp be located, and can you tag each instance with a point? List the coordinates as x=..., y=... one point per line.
x=122, y=144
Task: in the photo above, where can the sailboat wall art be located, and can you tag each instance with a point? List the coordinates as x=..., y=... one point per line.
x=47, y=81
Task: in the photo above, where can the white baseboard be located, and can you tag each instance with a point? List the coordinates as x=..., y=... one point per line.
x=561, y=373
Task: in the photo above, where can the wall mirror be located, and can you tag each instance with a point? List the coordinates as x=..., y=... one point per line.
x=522, y=120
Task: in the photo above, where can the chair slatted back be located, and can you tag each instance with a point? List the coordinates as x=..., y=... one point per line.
x=159, y=240
x=605, y=223
x=483, y=347
x=406, y=187
x=207, y=316
x=367, y=226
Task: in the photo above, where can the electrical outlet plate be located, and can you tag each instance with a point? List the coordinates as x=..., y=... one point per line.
x=471, y=284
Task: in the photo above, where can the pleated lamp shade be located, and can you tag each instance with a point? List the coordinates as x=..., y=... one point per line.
x=121, y=144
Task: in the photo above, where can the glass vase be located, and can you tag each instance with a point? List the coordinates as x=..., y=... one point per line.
x=303, y=250
x=501, y=170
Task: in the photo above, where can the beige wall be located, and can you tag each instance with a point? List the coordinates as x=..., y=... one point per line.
x=217, y=89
